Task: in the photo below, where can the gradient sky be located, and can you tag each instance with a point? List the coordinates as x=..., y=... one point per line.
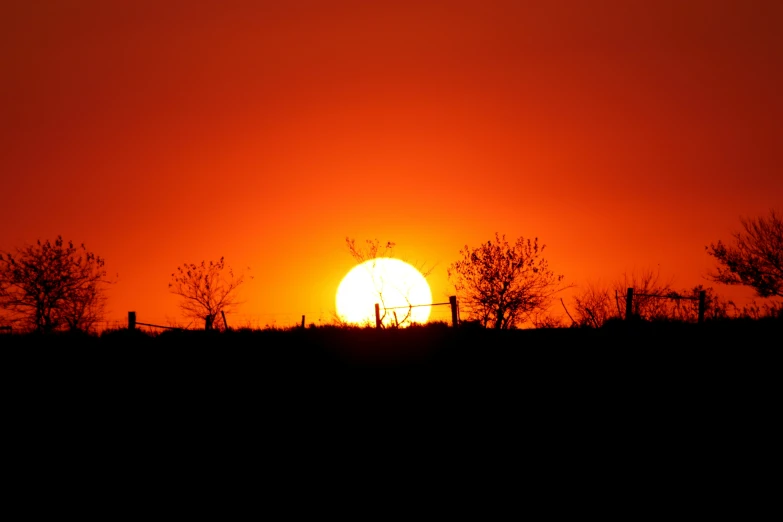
x=625, y=135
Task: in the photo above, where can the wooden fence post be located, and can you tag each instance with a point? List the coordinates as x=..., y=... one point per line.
x=131, y=320
x=702, y=305
x=453, y=303
x=629, y=304
x=302, y=321
x=377, y=315
x=225, y=323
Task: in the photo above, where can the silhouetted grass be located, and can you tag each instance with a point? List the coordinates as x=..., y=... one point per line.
x=563, y=384
x=436, y=348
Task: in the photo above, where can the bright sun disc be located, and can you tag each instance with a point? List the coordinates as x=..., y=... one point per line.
x=393, y=284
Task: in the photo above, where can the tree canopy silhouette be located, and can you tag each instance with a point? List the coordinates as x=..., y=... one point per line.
x=207, y=289
x=500, y=285
x=53, y=286
x=755, y=256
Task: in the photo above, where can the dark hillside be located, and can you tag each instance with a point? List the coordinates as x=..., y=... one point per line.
x=645, y=392
x=643, y=351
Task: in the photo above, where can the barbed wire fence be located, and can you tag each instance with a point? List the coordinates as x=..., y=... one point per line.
x=441, y=312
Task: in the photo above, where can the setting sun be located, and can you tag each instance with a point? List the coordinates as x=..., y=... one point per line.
x=400, y=290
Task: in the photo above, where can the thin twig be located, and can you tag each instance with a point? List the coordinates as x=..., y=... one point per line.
x=566, y=311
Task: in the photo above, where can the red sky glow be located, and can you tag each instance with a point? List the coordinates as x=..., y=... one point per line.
x=625, y=135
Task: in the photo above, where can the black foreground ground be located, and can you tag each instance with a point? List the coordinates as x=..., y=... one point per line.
x=620, y=353
x=634, y=402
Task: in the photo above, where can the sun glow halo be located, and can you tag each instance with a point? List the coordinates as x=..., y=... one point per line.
x=389, y=282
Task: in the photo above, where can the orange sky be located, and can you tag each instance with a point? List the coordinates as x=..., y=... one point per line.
x=625, y=135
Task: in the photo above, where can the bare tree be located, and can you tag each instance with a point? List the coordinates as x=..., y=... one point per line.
x=208, y=290
x=648, y=288
x=596, y=304
x=501, y=285
x=653, y=300
x=755, y=258
x=370, y=252
x=684, y=305
x=52, y=286
x=593, y=306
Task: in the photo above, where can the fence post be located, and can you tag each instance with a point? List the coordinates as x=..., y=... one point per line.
x=377, y=315
x=702, y=305
x=131, y=320
x=302, y=321
x=225, y=323
x=453, y=303
x=629, y=304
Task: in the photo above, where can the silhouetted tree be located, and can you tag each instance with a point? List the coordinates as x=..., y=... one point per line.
x=755, y=258
x=206, y=289
x=684, y=305
x=653, y=300
x=593, y=306
x=53, y=286
x=500, y=285
x=371, y=251
x=648, y=290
